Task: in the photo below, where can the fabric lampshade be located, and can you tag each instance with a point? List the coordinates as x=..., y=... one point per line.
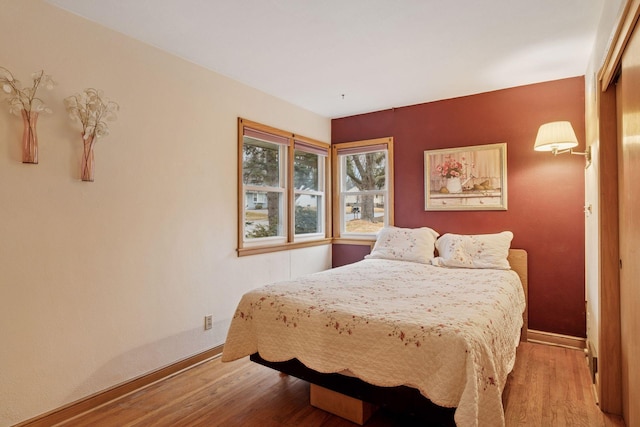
x=555, y=136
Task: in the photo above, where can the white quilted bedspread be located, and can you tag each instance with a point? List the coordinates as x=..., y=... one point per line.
x=451, y=333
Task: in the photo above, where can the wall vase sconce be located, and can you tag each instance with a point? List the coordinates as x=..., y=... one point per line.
x=23, y=101
x=92, y=109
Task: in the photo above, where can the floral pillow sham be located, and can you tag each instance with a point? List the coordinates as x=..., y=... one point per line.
x=405, y=244
x=474, y=250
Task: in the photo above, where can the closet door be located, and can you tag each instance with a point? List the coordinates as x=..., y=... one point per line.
x=628, y=97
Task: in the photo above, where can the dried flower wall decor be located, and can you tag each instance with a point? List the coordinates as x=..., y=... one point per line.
x=23, y=101
x=93, y=110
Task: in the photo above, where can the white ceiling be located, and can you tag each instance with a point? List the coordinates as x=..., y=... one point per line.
x=379, y=54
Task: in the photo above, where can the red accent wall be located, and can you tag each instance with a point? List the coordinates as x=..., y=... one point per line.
x=545, y=193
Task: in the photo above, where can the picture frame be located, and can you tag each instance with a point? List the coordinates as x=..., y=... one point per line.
x=466, y=178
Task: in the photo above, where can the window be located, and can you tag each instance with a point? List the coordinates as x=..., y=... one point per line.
x=309, y=183
x=281, y=181
x=363, y=188
x=263, y=177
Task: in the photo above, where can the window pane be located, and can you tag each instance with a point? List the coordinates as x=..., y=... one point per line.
x=365, y=171
x=263, y=214
x=308, y=214
x=260, y=162
x=362, y=173
x=306, y=171
x=363, y=213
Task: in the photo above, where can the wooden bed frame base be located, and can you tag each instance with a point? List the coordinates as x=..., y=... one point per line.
x=401, y=399
x=356, y=400
x=352, y=409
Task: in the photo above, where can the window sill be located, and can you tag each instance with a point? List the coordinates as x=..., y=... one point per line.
x=256, y=250
x=352, y=241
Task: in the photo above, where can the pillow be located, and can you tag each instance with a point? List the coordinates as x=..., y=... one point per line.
x=474, y=251
x=405, y=244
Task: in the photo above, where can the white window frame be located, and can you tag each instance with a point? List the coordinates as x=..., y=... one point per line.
x=323, y=157
x=339, y=153
x=282, y=190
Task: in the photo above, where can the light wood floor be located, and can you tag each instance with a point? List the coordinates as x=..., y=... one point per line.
x=549, y=386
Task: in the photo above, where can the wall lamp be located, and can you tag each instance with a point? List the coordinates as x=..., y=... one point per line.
x=559, y=137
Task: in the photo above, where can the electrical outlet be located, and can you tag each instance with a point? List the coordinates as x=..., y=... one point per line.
x=208, y=322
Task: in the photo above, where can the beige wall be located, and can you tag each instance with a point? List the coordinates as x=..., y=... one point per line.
x=101, y=282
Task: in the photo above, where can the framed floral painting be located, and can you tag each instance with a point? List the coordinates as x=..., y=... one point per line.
x=466, y=178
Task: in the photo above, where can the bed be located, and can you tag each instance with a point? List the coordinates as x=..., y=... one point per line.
x=390, y=321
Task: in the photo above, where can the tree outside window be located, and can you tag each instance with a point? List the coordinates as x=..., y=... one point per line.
x=307, y=195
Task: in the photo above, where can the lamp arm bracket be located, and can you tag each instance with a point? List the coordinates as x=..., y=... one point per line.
x=586, y=153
